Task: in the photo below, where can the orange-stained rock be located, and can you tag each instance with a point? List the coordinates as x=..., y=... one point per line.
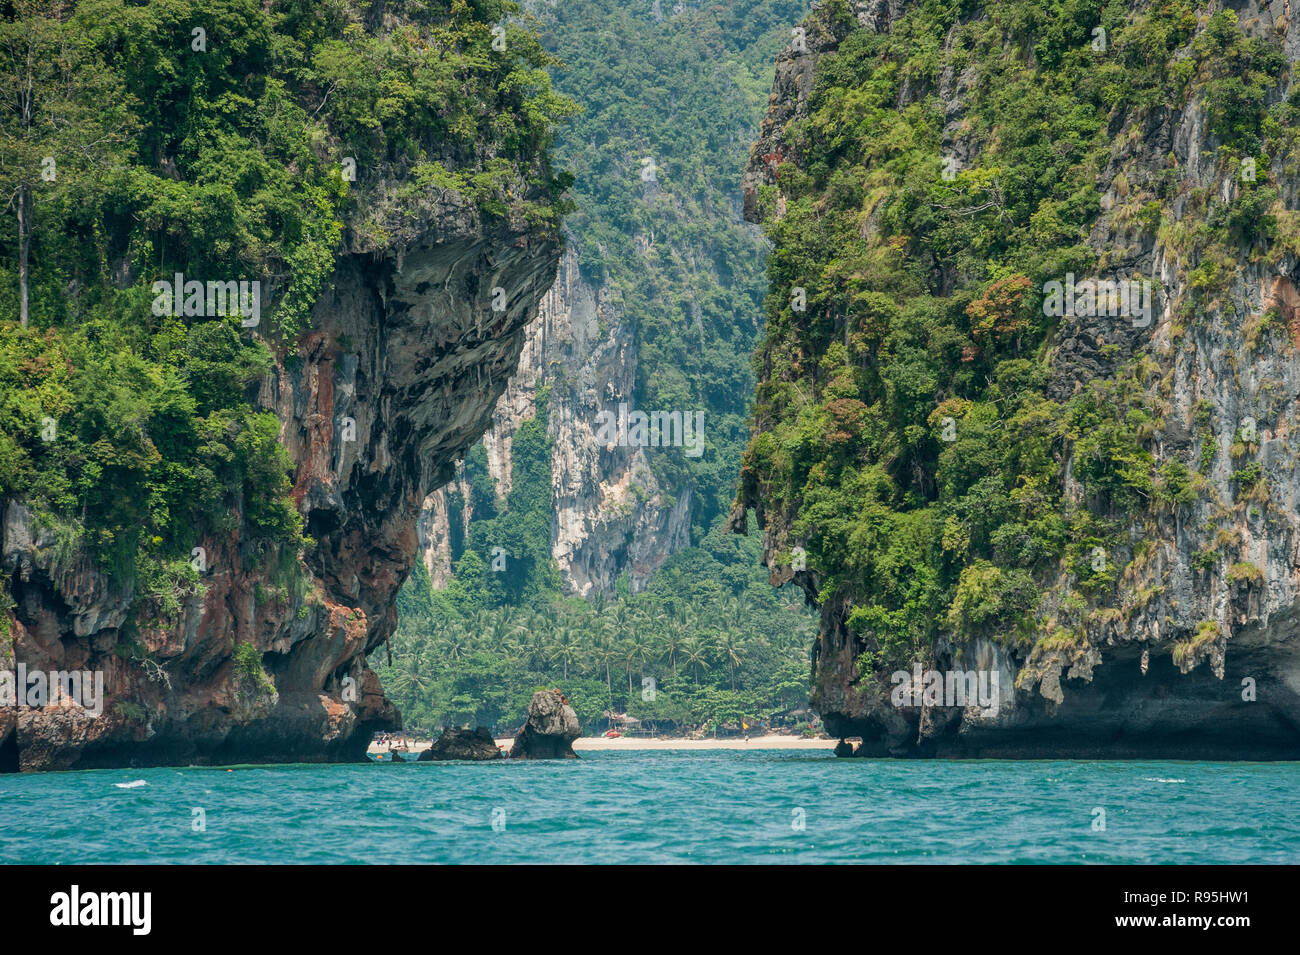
x=396, y=378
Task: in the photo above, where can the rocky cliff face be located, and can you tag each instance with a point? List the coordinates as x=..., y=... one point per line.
x=610, y=514
x=1197, y=653
x=399, y=374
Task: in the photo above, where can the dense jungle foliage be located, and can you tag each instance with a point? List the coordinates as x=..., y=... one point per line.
x=219, y=140
x=905, y=421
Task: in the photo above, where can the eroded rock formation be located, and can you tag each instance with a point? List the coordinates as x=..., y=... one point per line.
x=454, y=743
x=1200, y=656
x=610, y=514
x=398, y=375
x=550, y=731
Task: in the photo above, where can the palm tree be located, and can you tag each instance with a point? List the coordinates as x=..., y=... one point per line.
x=695, y=654
x=453, y=644
x=635, y=649
x=616, y=624
x=532, y=639
x=625, y=654
x=606, y=652
x=621, y=619
x=730, y=645
x=397, y=684
x=418, y=672
x=733, y=613
x=546, y=617
x=566, y=649
x=403, y=657
x=671, y=642
x=501, y=635
x=652, y=617
x=478, y=627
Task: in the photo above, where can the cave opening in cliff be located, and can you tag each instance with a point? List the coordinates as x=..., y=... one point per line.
x=9, y=753
x=322, y=523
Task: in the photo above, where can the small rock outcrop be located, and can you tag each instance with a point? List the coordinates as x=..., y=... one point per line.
x=550, y=731
x=462, y=744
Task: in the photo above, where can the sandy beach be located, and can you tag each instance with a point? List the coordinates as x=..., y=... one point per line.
x=601, y=743
x=754, y=742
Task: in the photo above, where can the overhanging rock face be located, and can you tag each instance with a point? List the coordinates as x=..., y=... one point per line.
x=405, y=357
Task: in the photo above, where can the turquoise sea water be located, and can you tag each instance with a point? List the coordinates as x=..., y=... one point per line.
x=654, y=807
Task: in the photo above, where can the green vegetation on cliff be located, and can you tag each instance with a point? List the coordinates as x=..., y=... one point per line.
x=913, y=423
x=218, y=140
x=678, y=100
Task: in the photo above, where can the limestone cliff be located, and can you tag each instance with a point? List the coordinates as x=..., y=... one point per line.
x=1196, y=651
x=610, y=514
x=407, y=352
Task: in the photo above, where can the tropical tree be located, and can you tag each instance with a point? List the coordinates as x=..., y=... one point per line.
x=695, y=652
x=606, y=651
x=730, y=646
x=63, y=116
x=636, y=651
x=566, y=649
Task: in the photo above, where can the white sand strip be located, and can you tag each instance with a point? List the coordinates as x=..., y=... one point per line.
x=589, y=743
x=628, y=743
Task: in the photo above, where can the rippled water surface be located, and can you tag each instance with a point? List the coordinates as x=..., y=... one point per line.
x=651, y=807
